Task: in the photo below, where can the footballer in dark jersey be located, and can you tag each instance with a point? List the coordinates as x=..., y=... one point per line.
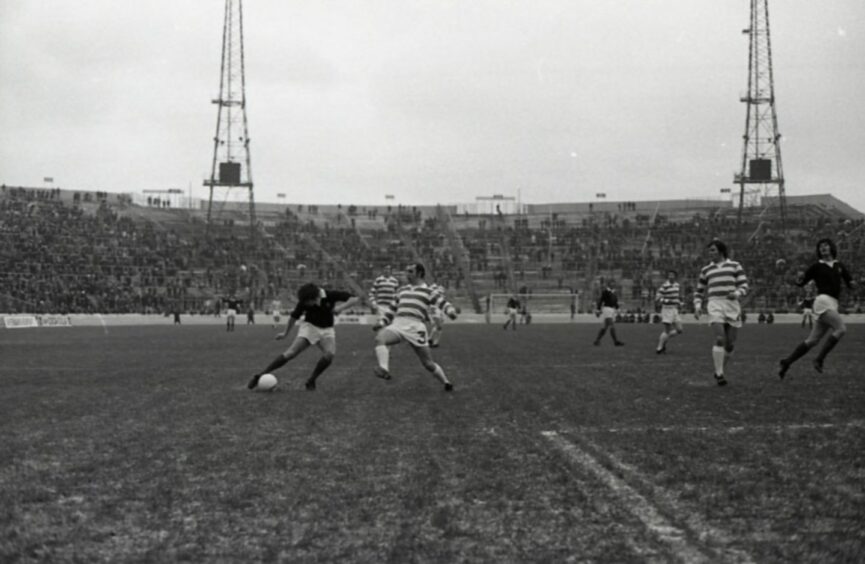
x=314, y=315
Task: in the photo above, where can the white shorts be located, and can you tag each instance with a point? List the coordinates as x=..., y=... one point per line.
x=315, y=334
x=608, y=313
x=512, y=312
x=807, y=312
x=824, y=303
x=437, y=315
x=670, y=314
x=725, y=311
x=231, y=312
x=412, y=331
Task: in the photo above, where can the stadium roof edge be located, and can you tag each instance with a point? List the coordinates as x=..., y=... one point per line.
x=826, y=201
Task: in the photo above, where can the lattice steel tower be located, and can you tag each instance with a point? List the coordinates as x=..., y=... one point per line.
x=231, y=167
x=761, y=174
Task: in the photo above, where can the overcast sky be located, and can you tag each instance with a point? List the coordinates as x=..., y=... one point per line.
x=431, y=101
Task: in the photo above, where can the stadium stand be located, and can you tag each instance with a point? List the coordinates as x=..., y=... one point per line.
x=95, y=252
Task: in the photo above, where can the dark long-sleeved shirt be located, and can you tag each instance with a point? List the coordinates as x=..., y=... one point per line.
x=827, y=276
x=608, y=299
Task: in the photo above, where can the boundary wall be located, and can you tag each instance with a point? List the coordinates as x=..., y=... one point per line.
x=18, y=321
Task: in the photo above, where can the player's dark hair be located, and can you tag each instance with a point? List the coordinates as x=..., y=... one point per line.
x=833, y=250
x=418, y=269
x=718, y=244
x=307, y=292
x=673, y=270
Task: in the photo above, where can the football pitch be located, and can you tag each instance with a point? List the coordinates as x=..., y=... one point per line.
x=143, y=444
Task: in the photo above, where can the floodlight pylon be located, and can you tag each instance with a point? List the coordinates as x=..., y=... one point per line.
x=761, y=176
x=231, y=166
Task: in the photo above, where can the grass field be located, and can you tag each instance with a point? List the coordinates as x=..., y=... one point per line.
x=143, y=444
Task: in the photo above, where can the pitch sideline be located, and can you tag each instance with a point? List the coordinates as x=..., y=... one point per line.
x=671, y=535
x=777, y=428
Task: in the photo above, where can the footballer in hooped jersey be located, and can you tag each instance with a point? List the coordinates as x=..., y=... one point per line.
x=406, y=321
x=722, y=282
x=437, y=318
x=669, y=295
x=383, y=291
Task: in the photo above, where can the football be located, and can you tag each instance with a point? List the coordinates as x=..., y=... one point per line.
x=266, y=383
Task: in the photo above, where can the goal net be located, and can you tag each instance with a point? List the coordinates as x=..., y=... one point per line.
x=561, y=303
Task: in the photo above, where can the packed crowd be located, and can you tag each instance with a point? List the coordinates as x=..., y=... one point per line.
x=87, y=256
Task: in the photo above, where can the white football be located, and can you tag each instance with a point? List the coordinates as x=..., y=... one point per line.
x=266, y=383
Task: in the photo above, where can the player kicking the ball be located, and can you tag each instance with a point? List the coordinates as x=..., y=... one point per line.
x=318, y=308
x=670, y=297
x=722, y=282
x=827, y=274
x=408, y=317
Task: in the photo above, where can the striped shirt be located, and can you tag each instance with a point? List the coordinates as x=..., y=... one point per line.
x=416, y=302
x=383, y=291
x=718, y=279
x=669, y=294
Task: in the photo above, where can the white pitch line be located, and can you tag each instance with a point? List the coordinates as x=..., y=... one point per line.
x=668, y=533
x=776, y=428
x=696, y=524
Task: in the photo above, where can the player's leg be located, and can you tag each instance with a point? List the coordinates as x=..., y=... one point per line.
x=512, y=319
x=718, y=351
x=613, y=335
x=663, y=338
x=385, y=338
x=730, y=334
x=297, y=346
x=603, y=331
x=677, y=328
x=833, y=319
x=327, y=346
x=425, y=357
x=435, y=333
x=815, y=336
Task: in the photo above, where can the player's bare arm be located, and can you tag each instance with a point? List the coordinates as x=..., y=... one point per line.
x=342, y=306
x=284, y=334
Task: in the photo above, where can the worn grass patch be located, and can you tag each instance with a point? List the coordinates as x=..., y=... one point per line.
x=143, y=444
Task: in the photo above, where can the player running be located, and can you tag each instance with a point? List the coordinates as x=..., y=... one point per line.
x=511, y=310
x=437, y=318
x=807, y=305
x=407, y=318
x=827, y=274
x=232, y=304
x=383, y=291
x=669, y=295
x=318, y=307
x=608, y=305
x=276, y=305
x=721, y=282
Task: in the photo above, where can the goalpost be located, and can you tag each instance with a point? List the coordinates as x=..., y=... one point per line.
x=562, y=303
